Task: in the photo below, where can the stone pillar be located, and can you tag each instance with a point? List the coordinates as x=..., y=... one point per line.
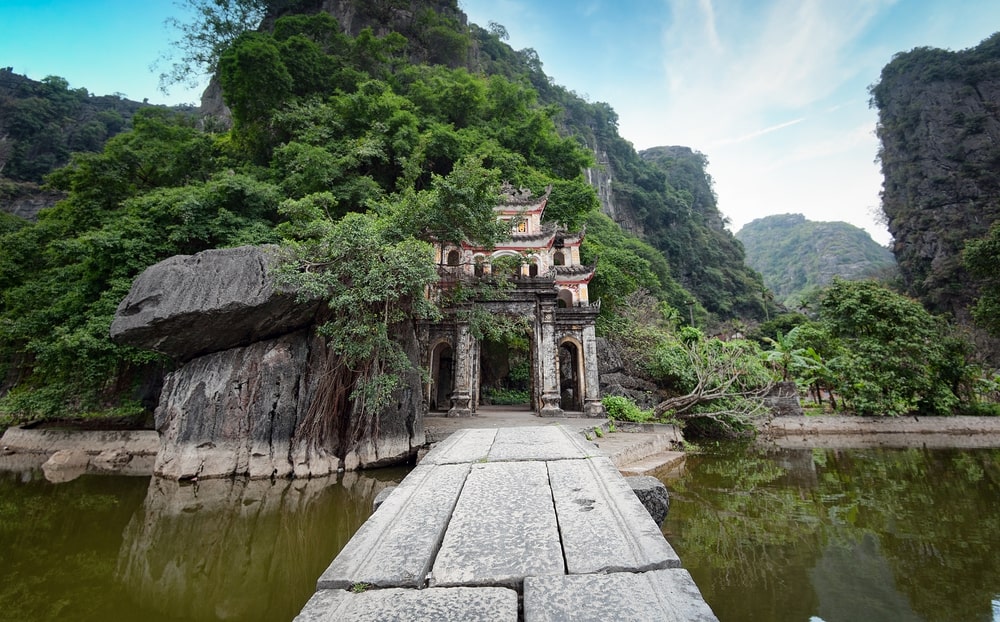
x=461, y=399
x=548, y=362
x=592, y=406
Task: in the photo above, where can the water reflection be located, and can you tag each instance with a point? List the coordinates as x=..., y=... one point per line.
x=836, y=535
x=126, y=548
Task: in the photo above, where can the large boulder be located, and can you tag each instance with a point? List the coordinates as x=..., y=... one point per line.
x=236, y=413
x=190, y=305
x=240, y=412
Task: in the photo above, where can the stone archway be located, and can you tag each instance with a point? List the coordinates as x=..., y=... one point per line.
x=442, y=377
x=507, y=370
x=571, y=376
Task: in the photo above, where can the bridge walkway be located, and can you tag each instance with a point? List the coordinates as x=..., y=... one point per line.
x=522, y=523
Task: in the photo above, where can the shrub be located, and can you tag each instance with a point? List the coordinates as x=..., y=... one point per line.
x=623, y=409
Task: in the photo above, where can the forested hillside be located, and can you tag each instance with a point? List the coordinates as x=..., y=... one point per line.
x=939, y=123
x=41, y=124
x=325, y=125
x=797, y=256
x=663, y=195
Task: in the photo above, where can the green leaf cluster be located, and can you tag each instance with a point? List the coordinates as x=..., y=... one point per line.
x=881, y=354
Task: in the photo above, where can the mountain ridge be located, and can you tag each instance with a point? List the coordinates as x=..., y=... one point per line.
x=795, y=255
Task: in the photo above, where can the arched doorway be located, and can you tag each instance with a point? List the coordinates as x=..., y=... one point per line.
x=570, y=376
x=506, y=371
x=442, y=378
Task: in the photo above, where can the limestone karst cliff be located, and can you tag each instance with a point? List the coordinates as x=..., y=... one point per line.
x=939, y=124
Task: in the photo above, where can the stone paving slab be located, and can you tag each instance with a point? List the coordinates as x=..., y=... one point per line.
x=539, y=443
x=471, y=445
x=503, y=528
x=662, y=595
x=604, y=526
x=396, y=546
x=457, y=604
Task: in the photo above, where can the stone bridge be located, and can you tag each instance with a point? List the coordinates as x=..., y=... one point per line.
x=525, y=523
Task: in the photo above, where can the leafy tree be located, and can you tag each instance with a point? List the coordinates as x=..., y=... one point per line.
x=709, y=385
x=215, y=25
x=154, y=192
x=895, y=355
x=372, y=270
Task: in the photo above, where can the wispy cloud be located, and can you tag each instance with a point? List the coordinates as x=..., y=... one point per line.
x=729, y=68
x=757, y=133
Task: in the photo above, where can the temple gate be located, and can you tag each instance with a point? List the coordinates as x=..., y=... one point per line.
x=549, y=295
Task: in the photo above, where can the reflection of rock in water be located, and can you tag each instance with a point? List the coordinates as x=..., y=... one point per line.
x=240, y=549
x=854, y=582
x=799, y=466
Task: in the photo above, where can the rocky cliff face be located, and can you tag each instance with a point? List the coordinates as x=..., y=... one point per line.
x=254, y=370
x=795, y=255
x=939, y=123
x=26, y=199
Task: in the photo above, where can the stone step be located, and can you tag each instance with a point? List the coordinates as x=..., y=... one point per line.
x=654, y=462
x=504, y=528
x=604, y=526
x=627, y=447
x=457, y=604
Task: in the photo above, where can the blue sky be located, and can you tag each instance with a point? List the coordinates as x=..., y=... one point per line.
x=773, y=92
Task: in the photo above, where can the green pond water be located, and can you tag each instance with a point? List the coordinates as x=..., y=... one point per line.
x=109, y=548
x=841, y=535
x=860, y=535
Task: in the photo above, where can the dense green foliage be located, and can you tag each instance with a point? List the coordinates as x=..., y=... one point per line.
x=43, y=122
x=157, y=191
x=373, y=158
x=881, y=353
x=938, y=118
x=894, y=358
x=684, y=223
x=795, y=255
x=620, y=408
x=626, y=266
